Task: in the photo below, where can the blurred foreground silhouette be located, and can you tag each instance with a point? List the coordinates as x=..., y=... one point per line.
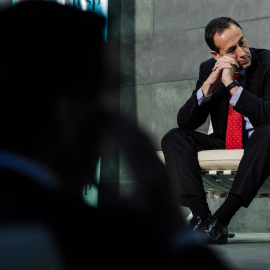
x=57, y=78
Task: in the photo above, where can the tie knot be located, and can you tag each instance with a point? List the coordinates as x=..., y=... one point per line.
x=237, y=76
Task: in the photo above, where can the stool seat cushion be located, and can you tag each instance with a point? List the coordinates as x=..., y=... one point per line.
x=222, y=159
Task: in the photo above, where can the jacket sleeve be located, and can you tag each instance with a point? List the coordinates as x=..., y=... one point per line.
x=191, y=116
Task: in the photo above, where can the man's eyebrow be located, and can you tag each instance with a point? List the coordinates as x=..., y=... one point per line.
x=233, y=47
x=241, y=39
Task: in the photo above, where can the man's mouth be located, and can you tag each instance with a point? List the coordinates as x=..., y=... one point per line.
x=245, y=61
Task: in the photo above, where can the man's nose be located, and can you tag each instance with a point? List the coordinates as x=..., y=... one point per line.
x=240, y=52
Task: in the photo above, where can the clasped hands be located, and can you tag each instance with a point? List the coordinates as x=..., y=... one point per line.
x=223, y=71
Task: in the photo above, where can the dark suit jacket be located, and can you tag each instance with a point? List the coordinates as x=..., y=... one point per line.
x=253, y=103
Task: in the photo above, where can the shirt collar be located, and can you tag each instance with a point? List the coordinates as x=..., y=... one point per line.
x=242, y=72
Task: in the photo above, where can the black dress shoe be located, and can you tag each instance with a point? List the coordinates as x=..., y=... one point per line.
x=213, y=232
x=195, y=223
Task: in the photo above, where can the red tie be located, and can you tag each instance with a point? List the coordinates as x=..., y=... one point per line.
x=234, y=132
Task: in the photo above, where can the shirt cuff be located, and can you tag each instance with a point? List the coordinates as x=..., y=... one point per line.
x=235, y=98
x=201, y=99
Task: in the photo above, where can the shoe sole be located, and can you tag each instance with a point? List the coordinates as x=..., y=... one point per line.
x=221, y=241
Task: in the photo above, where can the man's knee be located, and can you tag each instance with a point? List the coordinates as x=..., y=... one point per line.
x=169, y=138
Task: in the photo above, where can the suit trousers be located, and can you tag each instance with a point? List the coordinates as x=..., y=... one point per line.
x=181, y=146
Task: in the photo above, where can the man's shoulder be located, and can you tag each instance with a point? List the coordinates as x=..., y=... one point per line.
x=209, y=62
x=263, y=55
x=207, y=65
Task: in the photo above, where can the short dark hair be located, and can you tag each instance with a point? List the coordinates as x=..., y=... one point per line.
x=217, y=25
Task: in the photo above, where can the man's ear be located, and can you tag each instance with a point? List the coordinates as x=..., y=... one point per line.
x=215, y=55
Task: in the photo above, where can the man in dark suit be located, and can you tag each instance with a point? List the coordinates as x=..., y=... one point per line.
x=216, y=88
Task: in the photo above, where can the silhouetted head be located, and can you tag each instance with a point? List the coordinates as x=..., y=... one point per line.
x=54, y=71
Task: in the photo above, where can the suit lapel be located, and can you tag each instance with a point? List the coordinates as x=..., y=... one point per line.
x=253, y=80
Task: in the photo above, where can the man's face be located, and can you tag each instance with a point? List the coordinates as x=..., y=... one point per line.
x=233, y=43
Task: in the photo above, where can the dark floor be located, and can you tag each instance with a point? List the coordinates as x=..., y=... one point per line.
x=246, y=251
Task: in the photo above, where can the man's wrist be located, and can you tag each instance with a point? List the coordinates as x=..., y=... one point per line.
x=228, y=82
x=232, y=85
x=207, y=88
